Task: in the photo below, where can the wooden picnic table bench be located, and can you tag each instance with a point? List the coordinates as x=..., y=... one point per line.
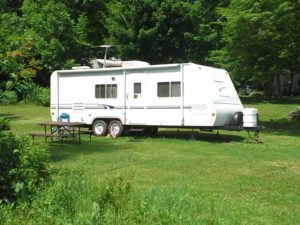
x=60, y=131
x=40, y=134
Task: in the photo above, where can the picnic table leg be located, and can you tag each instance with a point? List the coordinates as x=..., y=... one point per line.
x=79, y=135
x=45, y=129
x=60, y=136
x=73, y=133
x=51, y=133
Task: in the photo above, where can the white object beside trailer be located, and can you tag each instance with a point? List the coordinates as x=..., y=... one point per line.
x=147, y=96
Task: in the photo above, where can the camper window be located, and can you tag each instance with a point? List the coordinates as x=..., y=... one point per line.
x=137, y=90
x=163, y=89
x=111, y=91
x=106, y=91
x=168, y=89
x=175, y=89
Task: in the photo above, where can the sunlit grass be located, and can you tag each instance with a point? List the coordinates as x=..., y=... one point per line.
x=208, y=179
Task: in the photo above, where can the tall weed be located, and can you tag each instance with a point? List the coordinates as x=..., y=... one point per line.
x=71, y=199
x=67, y=199
x=109, y=206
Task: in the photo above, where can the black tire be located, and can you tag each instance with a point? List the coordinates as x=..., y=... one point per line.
x=115, y=128
x=99, y=128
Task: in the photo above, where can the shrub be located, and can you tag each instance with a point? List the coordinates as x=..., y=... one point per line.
x=23, y=167
x=8, y=97
x=294, y=115
x=4, y=124
x=30, y=93
x=38, y=95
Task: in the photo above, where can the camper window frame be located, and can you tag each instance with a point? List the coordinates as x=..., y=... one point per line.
x=137, y=89
x=170, y=86
x=106, y=91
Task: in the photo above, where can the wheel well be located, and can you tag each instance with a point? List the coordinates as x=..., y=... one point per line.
x=107, y=120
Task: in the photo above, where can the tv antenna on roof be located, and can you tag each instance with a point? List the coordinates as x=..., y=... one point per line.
x=105, y=54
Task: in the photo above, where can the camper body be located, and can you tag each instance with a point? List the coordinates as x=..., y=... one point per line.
x=143, y=96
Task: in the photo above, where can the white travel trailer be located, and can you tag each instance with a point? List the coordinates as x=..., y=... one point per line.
x=137, y=95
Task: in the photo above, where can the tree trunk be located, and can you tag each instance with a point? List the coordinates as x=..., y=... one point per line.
x=278, y=92
x=290, y=83
x=268, y=89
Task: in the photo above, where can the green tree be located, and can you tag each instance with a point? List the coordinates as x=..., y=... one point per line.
x=10, y=6
x=164, y=31
x=43, y=38
x=17, y=58
x=260, y=40
x=59, y=37
x=95, y=11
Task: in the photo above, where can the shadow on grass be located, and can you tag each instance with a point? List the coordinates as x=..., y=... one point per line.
x=103, y=146
x=9, y=116
x=190, y=135
x=282, y=127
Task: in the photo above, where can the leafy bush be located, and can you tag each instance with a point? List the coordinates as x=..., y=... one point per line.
x=8, y=97
x=23, y=167
x=4, y=124
x=30, y=93
x=38, y=95
x=294, y=115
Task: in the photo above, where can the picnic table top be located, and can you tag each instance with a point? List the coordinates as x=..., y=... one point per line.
x=58, y=123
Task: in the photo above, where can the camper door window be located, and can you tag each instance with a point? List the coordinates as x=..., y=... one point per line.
x=106, y=91
x=137, y=90
x=168, y=89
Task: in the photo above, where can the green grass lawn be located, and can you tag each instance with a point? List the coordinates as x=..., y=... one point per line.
x=212, y=179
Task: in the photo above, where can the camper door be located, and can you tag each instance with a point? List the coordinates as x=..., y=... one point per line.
x=135, y=98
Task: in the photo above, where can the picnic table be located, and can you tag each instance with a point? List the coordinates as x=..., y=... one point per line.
x=60, y=131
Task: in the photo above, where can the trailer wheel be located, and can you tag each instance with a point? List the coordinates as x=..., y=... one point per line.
x=99, y=128
x=115, y=128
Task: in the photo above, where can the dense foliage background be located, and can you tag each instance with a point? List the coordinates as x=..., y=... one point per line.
x=254, y=40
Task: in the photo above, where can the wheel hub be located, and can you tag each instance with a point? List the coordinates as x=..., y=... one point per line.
x=99, y=128
x=115, y=129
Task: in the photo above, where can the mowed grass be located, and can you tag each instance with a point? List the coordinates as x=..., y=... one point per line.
x=208, y=179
